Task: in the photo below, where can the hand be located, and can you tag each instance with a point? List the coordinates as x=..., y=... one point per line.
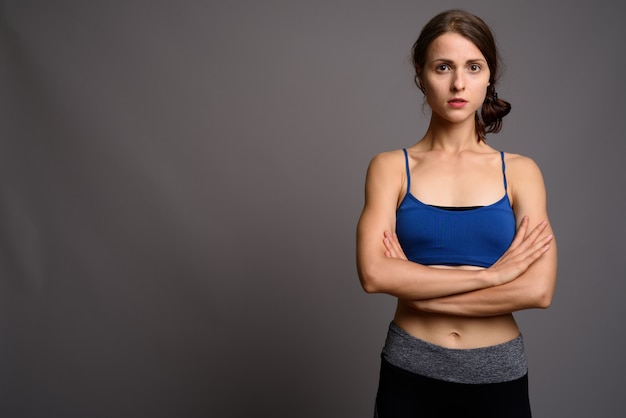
x=392, y=246
x=522, y=253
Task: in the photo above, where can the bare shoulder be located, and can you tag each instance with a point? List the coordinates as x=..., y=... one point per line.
x=388, y=159
x=386, y=177
x=386, y=165
x=519, y=161
x=520, y=167
x=525, y=181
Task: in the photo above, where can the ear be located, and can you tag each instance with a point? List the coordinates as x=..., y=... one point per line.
x=418, y=78
x=418, y=72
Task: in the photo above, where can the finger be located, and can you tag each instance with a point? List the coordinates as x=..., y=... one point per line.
x=392, y=250
x=526, y=251
x=393, y=239
x=539, y=248
x=544, y=243
x=388, y=246
x=520, y=235
x=538, y=229
x=399, y=247
x=538, y=253
x=387, y=240
x=531, y=238
x=535, y=234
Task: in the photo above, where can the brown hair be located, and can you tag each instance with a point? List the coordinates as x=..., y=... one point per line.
x=475, y=30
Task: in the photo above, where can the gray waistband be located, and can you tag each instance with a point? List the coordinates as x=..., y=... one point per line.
x=493, y=364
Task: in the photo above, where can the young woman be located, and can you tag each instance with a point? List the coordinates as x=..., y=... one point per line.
x=457, y=231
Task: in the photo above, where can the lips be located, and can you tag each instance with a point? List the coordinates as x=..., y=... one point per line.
x=457, y=102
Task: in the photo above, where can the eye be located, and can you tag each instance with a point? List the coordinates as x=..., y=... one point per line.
x=442, y=67
x=474, y=68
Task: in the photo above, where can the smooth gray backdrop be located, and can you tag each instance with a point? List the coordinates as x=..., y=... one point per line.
x=181, y=181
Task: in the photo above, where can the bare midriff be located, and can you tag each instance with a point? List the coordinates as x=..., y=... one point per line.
x=454, y=331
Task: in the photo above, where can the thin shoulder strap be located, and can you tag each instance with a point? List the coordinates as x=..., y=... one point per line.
x=503, y=169
x=408, y=172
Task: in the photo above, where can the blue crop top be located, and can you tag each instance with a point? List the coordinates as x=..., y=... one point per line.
x=431, y=235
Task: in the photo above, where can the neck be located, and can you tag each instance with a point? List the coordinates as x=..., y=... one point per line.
x=452, y=137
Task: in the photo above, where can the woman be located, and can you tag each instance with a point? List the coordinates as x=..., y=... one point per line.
x=457, y=231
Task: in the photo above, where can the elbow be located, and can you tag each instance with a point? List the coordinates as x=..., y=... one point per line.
x=546, y=285
x=368, y=279
x=544, y=301
x=542, y=298
x=369, y=287
x=368, y=283
x=541, y=289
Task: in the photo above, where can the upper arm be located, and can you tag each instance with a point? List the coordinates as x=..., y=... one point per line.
x=529, y=199
x=528, y=193
x=383, y=185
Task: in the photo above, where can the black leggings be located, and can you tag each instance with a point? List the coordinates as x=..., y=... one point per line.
x=403, y=394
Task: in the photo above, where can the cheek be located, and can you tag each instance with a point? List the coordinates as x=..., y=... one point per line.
x=435, y=87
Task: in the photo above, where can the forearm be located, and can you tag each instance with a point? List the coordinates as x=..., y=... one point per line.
x=531, y=290
x=407, y=280
x=493, y=301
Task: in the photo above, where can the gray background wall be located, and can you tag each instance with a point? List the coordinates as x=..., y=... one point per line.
x=180, y=185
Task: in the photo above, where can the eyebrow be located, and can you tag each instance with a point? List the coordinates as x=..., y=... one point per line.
x=467, y=61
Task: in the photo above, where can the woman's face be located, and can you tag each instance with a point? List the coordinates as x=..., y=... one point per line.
x=455, y=78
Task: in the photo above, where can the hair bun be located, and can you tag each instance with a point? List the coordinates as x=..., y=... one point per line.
x=492, y=112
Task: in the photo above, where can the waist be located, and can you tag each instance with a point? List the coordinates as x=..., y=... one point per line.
x=456, y=331
x=492, y=364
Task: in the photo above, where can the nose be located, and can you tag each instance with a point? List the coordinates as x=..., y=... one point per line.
x=458, y=82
